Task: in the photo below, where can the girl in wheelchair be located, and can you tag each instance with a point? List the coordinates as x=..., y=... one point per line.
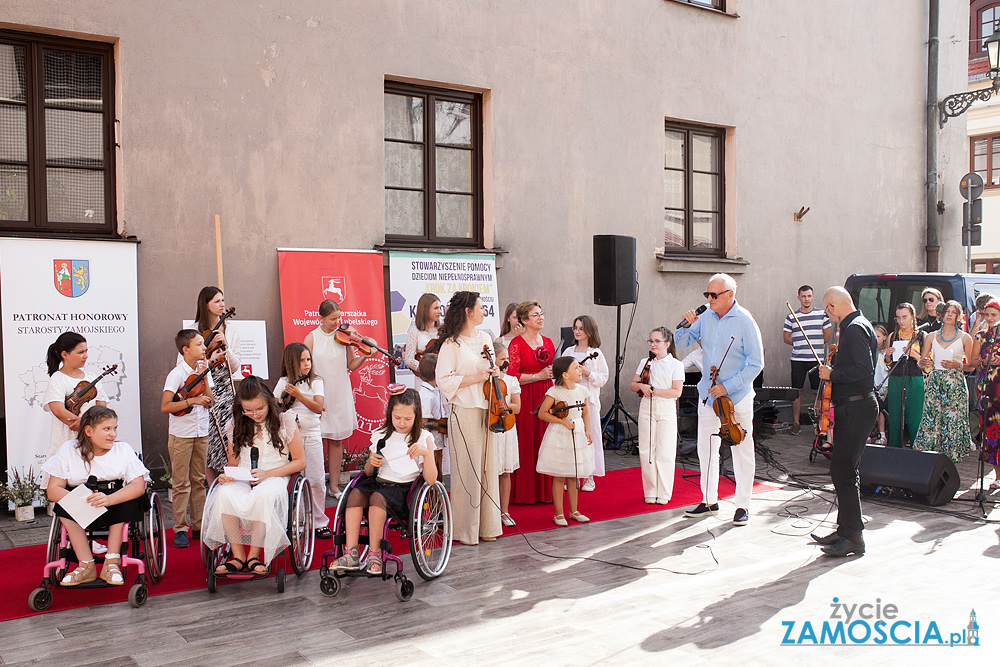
x=96, y=459
x=254, y=514
x=400, y=452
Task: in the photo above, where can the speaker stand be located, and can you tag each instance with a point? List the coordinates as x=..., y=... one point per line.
x=612, y=424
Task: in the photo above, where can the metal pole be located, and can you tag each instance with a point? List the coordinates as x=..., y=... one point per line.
x=933, y=245
x=967, y=225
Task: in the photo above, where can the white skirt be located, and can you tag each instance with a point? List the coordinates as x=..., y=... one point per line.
x=505, y=448
x=258, y=514
x=565, y=453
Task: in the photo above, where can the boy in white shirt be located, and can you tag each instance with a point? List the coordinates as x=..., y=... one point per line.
x=433, y=404
x=187, y=442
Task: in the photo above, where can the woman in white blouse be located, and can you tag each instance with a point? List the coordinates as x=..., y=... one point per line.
x=422, y=330
x=461, y=371
x=594, y=369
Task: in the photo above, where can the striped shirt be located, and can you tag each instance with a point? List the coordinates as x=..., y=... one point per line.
x=815, y=322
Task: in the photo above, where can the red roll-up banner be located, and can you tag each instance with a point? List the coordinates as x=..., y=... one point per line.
x=352, y=278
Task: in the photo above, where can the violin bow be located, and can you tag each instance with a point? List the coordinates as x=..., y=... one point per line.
x=804, y=334
x=732, y=339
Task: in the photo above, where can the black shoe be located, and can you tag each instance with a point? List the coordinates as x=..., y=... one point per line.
x=703, y=510
x=195, y=534
x=845, y=548
x=324, y=533
x=827, y=541
x=741, y=517
x=181, y=540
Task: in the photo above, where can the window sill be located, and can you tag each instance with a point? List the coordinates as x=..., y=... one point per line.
x=499, y=252
x=712, y=10
x=67, y=237
x=709, y=265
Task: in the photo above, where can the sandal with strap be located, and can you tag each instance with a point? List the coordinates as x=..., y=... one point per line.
x=85, y=572
x=374, y=565
x=111, y=573
x=252, y=565
x=231, y=566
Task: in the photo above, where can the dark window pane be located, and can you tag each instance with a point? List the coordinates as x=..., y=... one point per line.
x=674, y=229
x=454, y=170
x=404, y=117
x=453, y=123
x=12, y=73
x=13, y=193
x=404, y=212
x=13, y=133
x=454, y=216
x=75, y=195
x=404, y=165
x=73, y=80
x=74, y=138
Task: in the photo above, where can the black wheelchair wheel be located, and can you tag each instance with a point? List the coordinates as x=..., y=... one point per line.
x=210, y=578
x=40, y=599
x=430, y=529
x=155, y=539
x=404, y=589
x=138, y=595
x=329, y=586
x=280, y=579
x=52, y=552
x=301, y=537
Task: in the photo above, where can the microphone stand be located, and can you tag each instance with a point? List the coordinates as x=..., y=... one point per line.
x=902, y=358
x=612, y=421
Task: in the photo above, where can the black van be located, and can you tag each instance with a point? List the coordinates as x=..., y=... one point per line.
x=876, y=295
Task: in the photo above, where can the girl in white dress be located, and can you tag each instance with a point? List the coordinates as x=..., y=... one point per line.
x=658, y=416
x=422, y=330
x=305, y=391
x=505, y=444
x=96, y=453
x=254, y=513
x=65, y=360
x=333, y=362
x=566, y=453
x=406, y=452
x=594, y=371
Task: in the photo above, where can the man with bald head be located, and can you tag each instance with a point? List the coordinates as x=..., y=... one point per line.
x=727, y=326
x=852, y=381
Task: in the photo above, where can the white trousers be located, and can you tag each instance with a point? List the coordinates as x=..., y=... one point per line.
x=744, y=460
x=658, y=446
x=316, y=474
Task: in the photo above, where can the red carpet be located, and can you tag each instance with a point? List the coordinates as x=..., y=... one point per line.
x=617, y=495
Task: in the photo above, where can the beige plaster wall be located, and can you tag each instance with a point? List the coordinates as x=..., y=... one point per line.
x=270, y=114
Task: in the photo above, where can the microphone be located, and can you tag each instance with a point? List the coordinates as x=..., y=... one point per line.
x=379, y=446
x=254, y=457
x=923, y=326
x=698, y=311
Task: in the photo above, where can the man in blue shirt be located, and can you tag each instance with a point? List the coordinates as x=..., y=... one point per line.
x=726, y=326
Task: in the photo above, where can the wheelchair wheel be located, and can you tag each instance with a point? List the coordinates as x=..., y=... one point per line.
x=430, y=531
x=52, y=553
x=300, y=526
x=137, y=595
x=280, y=579
x=328, y=586
x=210, y=580
x=40, y=599
x=155, y=539
x=404, y=589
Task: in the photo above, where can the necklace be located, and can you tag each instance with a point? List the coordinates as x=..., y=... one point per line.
x=948, y=340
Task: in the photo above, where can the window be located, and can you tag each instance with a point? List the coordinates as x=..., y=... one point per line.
x=985, y=153
x=56, y=136
x=433, y=167
x=714, y=4
x=982, y=17
x=694, y=189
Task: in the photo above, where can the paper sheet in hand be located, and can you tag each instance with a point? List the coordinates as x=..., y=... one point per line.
x=239, y=474
x=897, y=349
x=76, y=505
x=400, y=462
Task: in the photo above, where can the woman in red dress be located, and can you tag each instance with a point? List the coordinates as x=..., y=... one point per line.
x=531, y=356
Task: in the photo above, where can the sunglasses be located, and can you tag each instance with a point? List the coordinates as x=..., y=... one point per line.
x=930, y=299
x=715, y=295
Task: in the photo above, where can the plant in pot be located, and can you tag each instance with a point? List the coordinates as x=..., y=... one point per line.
x=164, y=481
x=354, y=462
x=22, y=490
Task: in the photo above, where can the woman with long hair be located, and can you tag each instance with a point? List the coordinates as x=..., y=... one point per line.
x=931, y=299
x=906, y=373
x=511, y=326
x=462, y=369
x=985, y=358
x=422, y=330
x=594, y=375
x=531, y=357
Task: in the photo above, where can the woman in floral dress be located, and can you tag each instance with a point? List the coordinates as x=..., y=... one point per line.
x=986, y=357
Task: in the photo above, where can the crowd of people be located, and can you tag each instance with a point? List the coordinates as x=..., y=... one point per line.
x=913, y=375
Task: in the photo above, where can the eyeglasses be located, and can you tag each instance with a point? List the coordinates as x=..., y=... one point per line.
x=251, y=413
x=930, y=299
x=537, y=315
x=654, y=341
x=715, y=295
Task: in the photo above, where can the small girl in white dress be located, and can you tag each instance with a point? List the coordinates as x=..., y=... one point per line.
x=254, y=513
x=95, y=453
x=505, y=444
x=565, y=452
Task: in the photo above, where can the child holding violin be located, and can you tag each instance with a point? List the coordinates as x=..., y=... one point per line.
x=300, y=392
x=333, y=361
x=187, y=397
x=505, y=443
x=659, y=380
x=565, y=452
x=594, y=369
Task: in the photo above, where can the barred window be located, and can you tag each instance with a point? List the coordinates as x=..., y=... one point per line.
x=693, y=190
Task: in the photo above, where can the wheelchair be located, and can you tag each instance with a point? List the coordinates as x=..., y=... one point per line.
x=144, y=545
x=298, y=555
x=428, y=527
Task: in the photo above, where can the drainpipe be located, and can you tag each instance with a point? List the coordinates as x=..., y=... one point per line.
x=933, y=221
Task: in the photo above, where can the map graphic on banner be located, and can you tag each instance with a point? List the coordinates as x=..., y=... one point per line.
x=352, y=278
x=50, y=287
x=412, y=274
x=253, y=346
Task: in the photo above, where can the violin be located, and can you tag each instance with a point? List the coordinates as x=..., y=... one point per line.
x=729, y=428
x=644, y=375
x=439, y=425
x=348, y=337
x=592, y=355
x=213, y=341
x=287, y=400
x=501, y=417
x=195, y=385
x=432, y=348
x=823, y=397
x=87, y=391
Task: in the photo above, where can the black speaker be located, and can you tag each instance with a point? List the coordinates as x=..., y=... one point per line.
x=614, y=270
x=930, y=476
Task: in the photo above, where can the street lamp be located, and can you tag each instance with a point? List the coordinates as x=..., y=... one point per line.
x=959, y=103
